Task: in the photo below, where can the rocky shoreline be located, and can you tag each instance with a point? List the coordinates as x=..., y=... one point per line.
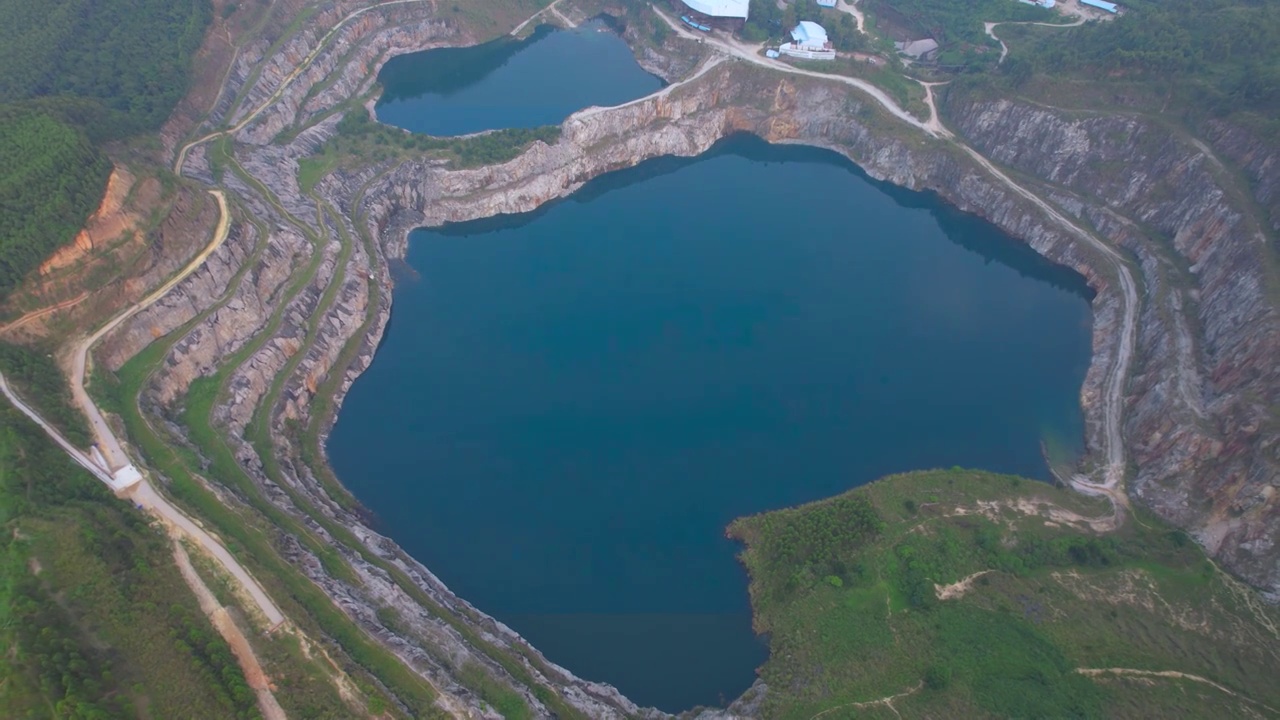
x=1197, y=401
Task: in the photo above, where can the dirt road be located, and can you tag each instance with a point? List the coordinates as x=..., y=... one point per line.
x=107, y=442
x=227, y=628
x=1004, y=49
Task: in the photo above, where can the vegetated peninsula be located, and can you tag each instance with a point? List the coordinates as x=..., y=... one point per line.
x=187, y=345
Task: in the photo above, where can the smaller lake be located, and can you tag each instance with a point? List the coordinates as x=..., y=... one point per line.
x=511, y=83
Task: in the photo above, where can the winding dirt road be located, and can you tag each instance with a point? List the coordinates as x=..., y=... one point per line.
x=226, y=626
x=1004, y=49
x=851, y=8
x=107, y=442
x=1170, y=674
x=37, y=314
x=181, y=158
x=142, y=493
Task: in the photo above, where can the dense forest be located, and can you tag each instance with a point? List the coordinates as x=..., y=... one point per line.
x=1227, y=52
x=78, y=73
x=132, y=56
x=51, y=178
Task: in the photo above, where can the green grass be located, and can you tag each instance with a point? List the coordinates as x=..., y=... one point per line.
x=1055, y=597
x=35, y=375
x=312, y=169
x=93, y=611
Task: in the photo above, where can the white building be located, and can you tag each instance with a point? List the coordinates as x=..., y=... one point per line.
x=809, y=42
x=810, y=36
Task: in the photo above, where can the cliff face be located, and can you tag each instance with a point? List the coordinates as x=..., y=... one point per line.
x=305, y=302
x=1200, y=419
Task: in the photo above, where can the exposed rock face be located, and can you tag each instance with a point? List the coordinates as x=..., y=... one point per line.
x=295, y=302
x=1200, y=421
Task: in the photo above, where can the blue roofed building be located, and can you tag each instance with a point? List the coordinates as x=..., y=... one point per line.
x=1102, y=5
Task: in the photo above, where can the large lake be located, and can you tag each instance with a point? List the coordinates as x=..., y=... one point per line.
x=570, y=405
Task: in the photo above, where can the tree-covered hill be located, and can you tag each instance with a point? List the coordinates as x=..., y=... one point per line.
x=51, y=178
x=132, y=56
x=969, y=594
x=77, y=74
x=1227, y=52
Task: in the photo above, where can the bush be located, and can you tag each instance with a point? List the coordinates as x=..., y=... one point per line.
x=937, y=677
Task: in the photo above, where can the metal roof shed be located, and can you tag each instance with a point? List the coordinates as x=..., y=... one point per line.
x=1101, y=5
x=720, y=8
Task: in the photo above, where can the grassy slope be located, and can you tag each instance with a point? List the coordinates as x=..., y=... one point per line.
x=846, y=590
x=92, y=608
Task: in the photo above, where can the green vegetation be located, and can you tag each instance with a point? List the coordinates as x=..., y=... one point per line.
x=850, y=592
x=768, y=20
x=130, y=56
x=1223, y=55
x=50, y=182
x=36, y=377
x=359, y=135
x=92, y=608
x=78, y=73
x=363, y=141
x=951, y=22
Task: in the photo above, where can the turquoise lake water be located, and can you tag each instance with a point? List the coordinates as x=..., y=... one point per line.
x=570, y=405
x=509, y=83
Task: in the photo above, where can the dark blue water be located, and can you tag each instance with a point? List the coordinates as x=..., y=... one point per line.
x=571, y=405
x=511, y=84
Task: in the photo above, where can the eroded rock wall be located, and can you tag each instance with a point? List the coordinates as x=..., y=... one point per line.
x=1200, y=420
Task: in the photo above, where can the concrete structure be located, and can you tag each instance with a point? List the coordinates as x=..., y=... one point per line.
x=809, y=42
x=1102, y=5
x=918, y=49
x=827, y=3
x=1047, y=4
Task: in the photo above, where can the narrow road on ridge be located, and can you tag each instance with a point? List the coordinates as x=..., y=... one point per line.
x=37, y=314
x=107, y=442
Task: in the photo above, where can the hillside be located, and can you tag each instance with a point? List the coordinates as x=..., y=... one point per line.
x=94, y=618
x=967, y=594
x=79, y=74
